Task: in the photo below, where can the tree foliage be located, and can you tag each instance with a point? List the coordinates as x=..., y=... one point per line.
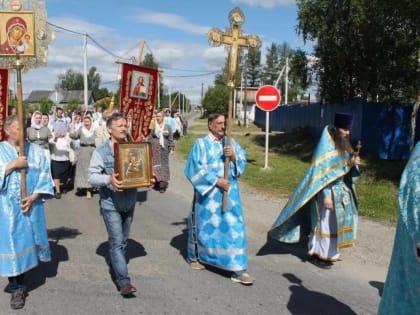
x=366, y=48
x=216, y=99
x=73, y=80
x=149, y=61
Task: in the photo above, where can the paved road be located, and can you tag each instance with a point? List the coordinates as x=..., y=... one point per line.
x=77, y=280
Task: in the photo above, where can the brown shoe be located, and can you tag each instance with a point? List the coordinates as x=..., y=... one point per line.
x=127, y=289
x=243, y=278
x=197, y=265
x=17, y=300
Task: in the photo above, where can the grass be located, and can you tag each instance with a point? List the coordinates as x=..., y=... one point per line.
x=288, y=159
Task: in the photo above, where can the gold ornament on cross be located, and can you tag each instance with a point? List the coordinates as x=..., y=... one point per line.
x=234, y=39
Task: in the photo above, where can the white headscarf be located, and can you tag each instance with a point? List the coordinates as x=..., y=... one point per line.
x=33, y=123
x=159, y=133
x=88, y=132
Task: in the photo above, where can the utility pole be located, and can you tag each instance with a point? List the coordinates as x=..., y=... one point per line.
x=140, y=56
x=85, y=76
x=285, y=70
x=245, y=84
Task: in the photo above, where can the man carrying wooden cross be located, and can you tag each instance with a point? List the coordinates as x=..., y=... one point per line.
x=216, y=226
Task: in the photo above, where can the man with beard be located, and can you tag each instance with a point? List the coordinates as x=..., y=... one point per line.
x=324, y=202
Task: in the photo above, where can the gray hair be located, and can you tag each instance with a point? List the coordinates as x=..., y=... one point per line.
x=10, y=120
x=114, y=117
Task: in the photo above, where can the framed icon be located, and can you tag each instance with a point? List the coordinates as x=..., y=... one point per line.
x=133, y=163
x=140, y=85
x=17, y=34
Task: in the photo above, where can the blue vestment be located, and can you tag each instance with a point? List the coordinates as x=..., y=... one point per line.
x=401, y=294
x=329, y=169
x=23, y=236
x=215, y=237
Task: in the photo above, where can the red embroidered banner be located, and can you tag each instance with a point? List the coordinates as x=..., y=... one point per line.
x=138, y=95
x=4, y=91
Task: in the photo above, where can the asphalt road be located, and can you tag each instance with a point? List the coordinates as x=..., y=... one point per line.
x=77, y=280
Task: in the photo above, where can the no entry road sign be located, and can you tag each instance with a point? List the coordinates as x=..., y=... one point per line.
x=267, y=98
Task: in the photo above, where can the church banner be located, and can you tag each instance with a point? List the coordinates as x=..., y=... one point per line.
x=138, y=96
x=4, y=90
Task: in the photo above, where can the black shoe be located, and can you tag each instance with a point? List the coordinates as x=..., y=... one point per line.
x=57, y=195
x=323, y=264
x=17, y=300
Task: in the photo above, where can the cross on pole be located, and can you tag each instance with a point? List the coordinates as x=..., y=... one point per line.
x=234, y=39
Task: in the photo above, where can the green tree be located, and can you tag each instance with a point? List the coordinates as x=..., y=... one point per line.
x=94, y=82
x=252, y=62
x=73, y=105
x=364, y=48
x=216, y=99
x=271, y=69
x=149, y=61
x=45, y=105
x=71, y=80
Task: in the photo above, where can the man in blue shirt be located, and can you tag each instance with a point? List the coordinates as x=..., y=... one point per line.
x=116, y=204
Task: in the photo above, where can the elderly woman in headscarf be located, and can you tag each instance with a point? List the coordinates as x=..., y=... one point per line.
x=86, y=136
x=162, y=134
x=38, y=133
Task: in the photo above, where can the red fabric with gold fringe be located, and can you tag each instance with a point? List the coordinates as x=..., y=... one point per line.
x=4, y=90
x=138, y=96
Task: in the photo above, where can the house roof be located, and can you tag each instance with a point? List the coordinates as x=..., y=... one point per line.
x=37, y=96
x=74, y=94
x=64, y=96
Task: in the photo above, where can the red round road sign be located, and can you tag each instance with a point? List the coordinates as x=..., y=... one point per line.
x=267, y=98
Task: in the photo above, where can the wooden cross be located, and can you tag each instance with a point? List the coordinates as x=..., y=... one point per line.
x=234, y=39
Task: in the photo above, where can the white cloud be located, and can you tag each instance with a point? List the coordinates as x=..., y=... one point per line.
x=66, y=52
x=266, y=3
x=169, y=20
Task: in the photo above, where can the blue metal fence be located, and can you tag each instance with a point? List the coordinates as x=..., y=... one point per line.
x=383, y=128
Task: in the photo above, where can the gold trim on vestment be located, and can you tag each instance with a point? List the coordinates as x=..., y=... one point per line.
x=313, y=179
x=325, y=235
x=345, y=245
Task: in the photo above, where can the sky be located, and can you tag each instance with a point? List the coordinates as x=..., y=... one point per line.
x=173, y=31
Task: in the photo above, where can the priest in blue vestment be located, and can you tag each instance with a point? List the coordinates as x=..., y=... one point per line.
x=23, y=230
x=324, y=203
x=217, y=237
x=401, y=294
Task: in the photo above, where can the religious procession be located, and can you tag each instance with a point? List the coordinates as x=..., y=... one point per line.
x=109, y=205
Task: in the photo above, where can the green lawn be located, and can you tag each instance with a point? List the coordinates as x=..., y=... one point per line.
x=288, y=159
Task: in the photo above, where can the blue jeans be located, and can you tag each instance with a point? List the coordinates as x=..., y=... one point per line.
x=118, y=226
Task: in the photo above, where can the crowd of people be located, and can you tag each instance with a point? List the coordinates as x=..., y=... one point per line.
x=323, y=207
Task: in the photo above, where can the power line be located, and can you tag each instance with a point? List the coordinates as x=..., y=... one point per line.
x=65, y=29
x=91, y=38
x=132, y=59
x=105, y=49
x=191, y=76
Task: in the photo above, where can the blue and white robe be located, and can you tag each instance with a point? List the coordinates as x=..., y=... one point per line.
x=402, y=286
x=23, y=236
x=215, y=237
x=329, y=173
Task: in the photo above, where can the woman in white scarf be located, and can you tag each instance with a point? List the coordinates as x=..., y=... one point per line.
x=86, y=134
x=38, y=133
x=164, y=135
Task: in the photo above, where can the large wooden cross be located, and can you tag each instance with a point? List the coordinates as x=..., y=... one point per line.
x=234, y=39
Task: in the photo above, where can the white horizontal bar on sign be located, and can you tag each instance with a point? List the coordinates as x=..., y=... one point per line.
x=268, y=98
